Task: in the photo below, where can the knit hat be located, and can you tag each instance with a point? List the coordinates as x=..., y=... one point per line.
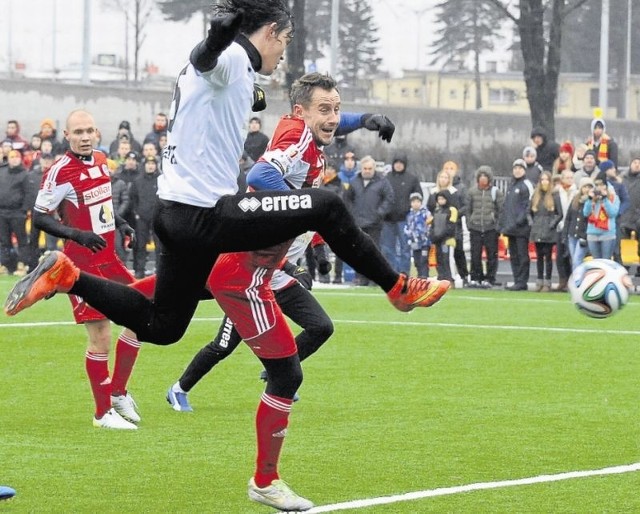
x=567, y=147
x=48, y=121
x=529, y=150
x=124, y=125
x=606, y=165
x=131, y=155
x=519, y=162
x=14, y=153
x=415, y=196
x=150, y=158
x=590, y=152
x=586, y=181
x=601, y=176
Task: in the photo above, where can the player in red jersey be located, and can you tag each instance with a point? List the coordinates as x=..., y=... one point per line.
x=78, y=187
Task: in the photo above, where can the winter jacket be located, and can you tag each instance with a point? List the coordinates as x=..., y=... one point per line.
x=601, y=215
x=630, y=219
x=548, y=151
x=335, y=185
x=443, y=226
x=14, y=190
x=369, y=204
x=143, y=195
x=403, y=183
x=483, y=207
x=514, y=218
x=575, y=223
x=544, y=222
x=416, y=229
x=120, y=197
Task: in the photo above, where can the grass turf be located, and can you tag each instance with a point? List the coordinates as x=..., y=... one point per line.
x=485, y=386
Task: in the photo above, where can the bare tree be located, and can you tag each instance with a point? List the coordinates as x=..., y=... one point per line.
x=541, y=45
x=136, y=14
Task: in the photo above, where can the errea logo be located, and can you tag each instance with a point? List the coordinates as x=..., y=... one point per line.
x=249, y=204
x=276, y=203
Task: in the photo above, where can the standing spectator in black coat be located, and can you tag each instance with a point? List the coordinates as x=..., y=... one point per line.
x=630, y=219
x=547, y=151
x=370, y=198
x=14, y=204
x=256, y=142
x=143, y=194
x=34, y=180
x=393, y=241
x=515, y=224
x=121, y=205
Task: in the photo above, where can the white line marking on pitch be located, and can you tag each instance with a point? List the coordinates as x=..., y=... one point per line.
x=374, y=322
x=444, y=491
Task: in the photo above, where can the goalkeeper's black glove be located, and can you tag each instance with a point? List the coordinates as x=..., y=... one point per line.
x=300, y=273
x=322, y=258
x=380, y=123
x=223, y=30
x=89, y=240
x=126, y=230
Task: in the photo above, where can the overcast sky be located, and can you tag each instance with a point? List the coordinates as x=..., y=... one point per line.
x=31, y=38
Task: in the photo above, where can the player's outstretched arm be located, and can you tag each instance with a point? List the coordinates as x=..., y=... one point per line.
x=222, y=32
x=350, y=121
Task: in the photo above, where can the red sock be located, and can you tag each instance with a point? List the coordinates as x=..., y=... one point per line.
x=97, y=366
x=127, y=349
x=271, y=427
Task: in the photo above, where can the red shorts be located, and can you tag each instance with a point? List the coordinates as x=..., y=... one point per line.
x=114, y=270
x=242, y=290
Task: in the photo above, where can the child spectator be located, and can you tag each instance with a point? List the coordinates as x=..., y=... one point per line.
x=443, y=232
x=417, y=231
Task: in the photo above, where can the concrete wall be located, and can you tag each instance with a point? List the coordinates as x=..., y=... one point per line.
x=417, y=129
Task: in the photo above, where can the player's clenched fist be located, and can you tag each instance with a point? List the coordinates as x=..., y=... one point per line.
x=223, y=30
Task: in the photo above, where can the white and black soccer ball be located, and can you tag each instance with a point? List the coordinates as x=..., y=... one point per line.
x=600, y=287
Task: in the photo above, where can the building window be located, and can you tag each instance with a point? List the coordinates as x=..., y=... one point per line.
x=492, y=66
x=404, y=92
x=612, y=97
x=502, y=96
x=417, y=92
x=453, y=94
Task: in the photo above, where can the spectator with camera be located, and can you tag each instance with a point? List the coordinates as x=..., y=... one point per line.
x=601, y=208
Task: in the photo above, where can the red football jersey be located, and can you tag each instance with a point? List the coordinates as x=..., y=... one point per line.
x=80, y=190
x=293, y=150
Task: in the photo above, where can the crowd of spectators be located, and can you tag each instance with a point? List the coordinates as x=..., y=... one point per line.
x=565, y=201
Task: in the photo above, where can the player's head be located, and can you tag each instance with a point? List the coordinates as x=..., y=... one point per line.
x=268, y=25
x=81, y=132
x=315, y=99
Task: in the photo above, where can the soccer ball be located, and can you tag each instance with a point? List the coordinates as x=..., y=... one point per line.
x=599, y=287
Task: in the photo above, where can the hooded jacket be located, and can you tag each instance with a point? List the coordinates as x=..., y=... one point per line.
x=548, y=151
x=605, y=147
x=484, y=205
x=403, y=183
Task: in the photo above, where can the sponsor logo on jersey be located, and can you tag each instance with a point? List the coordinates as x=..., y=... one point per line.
x=97, y=194
x=276, y=203
x=102, y=217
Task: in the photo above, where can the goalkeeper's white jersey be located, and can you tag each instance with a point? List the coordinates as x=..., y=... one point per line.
x=208, y=124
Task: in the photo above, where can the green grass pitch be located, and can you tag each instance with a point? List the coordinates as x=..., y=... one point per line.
x=483, y=387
